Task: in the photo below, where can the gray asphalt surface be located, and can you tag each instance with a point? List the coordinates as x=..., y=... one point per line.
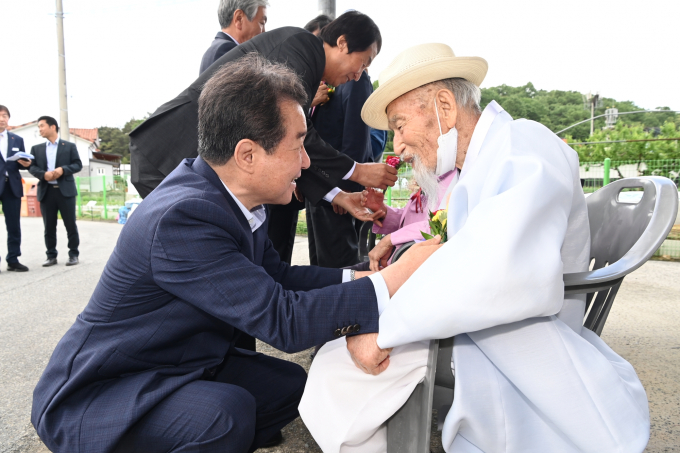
x=39, y=306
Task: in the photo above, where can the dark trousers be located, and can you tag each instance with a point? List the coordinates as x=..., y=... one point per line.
x=250, y=400
x=52, y=203
x=11, y=207
x=282, y=224
x=333, y=238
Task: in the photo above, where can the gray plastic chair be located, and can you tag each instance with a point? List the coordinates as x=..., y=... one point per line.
x=623, y=237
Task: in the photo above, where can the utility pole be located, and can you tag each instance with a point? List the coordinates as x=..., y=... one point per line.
x=327, y=7
x=63, y=103
x=593, y=100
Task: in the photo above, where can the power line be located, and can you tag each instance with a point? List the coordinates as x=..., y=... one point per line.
x=620, y=113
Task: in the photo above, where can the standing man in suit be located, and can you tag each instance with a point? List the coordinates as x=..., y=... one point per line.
x=150, y=364
x=54, y=164
x=11, y=190
x=332, y=234
x=347, y=46
x=240, y=20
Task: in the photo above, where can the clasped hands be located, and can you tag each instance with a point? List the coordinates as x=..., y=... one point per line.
x=54, y=174
x=364, y=349
x=369, y=175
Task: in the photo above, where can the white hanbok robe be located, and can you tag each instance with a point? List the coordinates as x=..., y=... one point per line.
x=529, y=378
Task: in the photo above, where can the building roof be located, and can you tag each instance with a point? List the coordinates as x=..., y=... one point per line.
x=91, y=135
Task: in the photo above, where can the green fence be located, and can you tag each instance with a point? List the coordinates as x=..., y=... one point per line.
x=594, y=175
x=100, y=197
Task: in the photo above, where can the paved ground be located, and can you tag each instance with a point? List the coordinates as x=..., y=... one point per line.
x=36, y=308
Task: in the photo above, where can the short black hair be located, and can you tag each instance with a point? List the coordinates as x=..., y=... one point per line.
x=50, y=121
x=318, y=23
x=5, y=109
x=359, y=30
x=242, y=100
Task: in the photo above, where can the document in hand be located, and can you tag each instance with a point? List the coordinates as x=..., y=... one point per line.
x=19, y=155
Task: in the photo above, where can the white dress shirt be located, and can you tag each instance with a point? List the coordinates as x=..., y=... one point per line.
x=232, y=38
x=4, y=143
x=258, y=215
x=336, y=190
x=51, y=153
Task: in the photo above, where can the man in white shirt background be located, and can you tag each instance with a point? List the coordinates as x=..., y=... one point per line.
x=54, y=164
x=11, y=190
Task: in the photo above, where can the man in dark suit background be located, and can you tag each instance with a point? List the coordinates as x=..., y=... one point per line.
x=347, y=47
x=54, y=164
x=333, y=235
x=240, y=20
x=11, y=190
x=150, y=364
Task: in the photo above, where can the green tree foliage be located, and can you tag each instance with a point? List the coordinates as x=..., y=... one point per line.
x=559, y=109
x=658, y=157
x=116, y=141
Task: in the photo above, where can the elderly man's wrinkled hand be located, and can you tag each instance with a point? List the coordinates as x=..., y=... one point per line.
x=380, y=254
x=373, y=200
x=367, y=355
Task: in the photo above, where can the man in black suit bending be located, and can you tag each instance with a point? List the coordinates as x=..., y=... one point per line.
x=347, y=47
x=240, y=20
x=54, y=164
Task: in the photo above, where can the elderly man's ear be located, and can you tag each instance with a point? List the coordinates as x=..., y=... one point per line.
x=244, y=155
x=448, y=110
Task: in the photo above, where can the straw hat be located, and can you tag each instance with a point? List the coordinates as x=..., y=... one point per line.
x=413, y=68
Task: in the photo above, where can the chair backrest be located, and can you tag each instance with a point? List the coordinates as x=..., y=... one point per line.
x=626, y=228
x=624, y=234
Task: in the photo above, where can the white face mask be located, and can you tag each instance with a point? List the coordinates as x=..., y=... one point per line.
x=448, y=147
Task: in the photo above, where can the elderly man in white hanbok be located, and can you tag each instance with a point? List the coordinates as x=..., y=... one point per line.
x=529, y=377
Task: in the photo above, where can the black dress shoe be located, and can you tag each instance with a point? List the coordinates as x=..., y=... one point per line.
x=72, y=261
x=16, y=267
x=50, y=262
x=274, y=441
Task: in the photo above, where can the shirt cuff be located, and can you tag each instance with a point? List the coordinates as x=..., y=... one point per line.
x=350, y=172
x=331, y=195
x=345, y=275
x=381, y=291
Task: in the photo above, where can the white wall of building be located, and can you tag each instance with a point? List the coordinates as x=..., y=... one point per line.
x=32, y=137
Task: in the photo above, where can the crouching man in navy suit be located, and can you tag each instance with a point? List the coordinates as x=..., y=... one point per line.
x=150, y=364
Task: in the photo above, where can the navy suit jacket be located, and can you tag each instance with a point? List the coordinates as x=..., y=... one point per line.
x=339, y=123
x=220, y=45
x=185, y=272
x=67, y=158
x=14, y=144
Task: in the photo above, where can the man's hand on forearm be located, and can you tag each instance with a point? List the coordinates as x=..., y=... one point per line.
x=380, y=176
x=397, y=274
x=367, y=355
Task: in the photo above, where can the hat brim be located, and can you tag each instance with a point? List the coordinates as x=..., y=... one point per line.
x=472, y=69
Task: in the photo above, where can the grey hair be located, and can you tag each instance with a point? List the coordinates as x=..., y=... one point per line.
x=227, y=8
x=243, y=100
x=467, y=94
